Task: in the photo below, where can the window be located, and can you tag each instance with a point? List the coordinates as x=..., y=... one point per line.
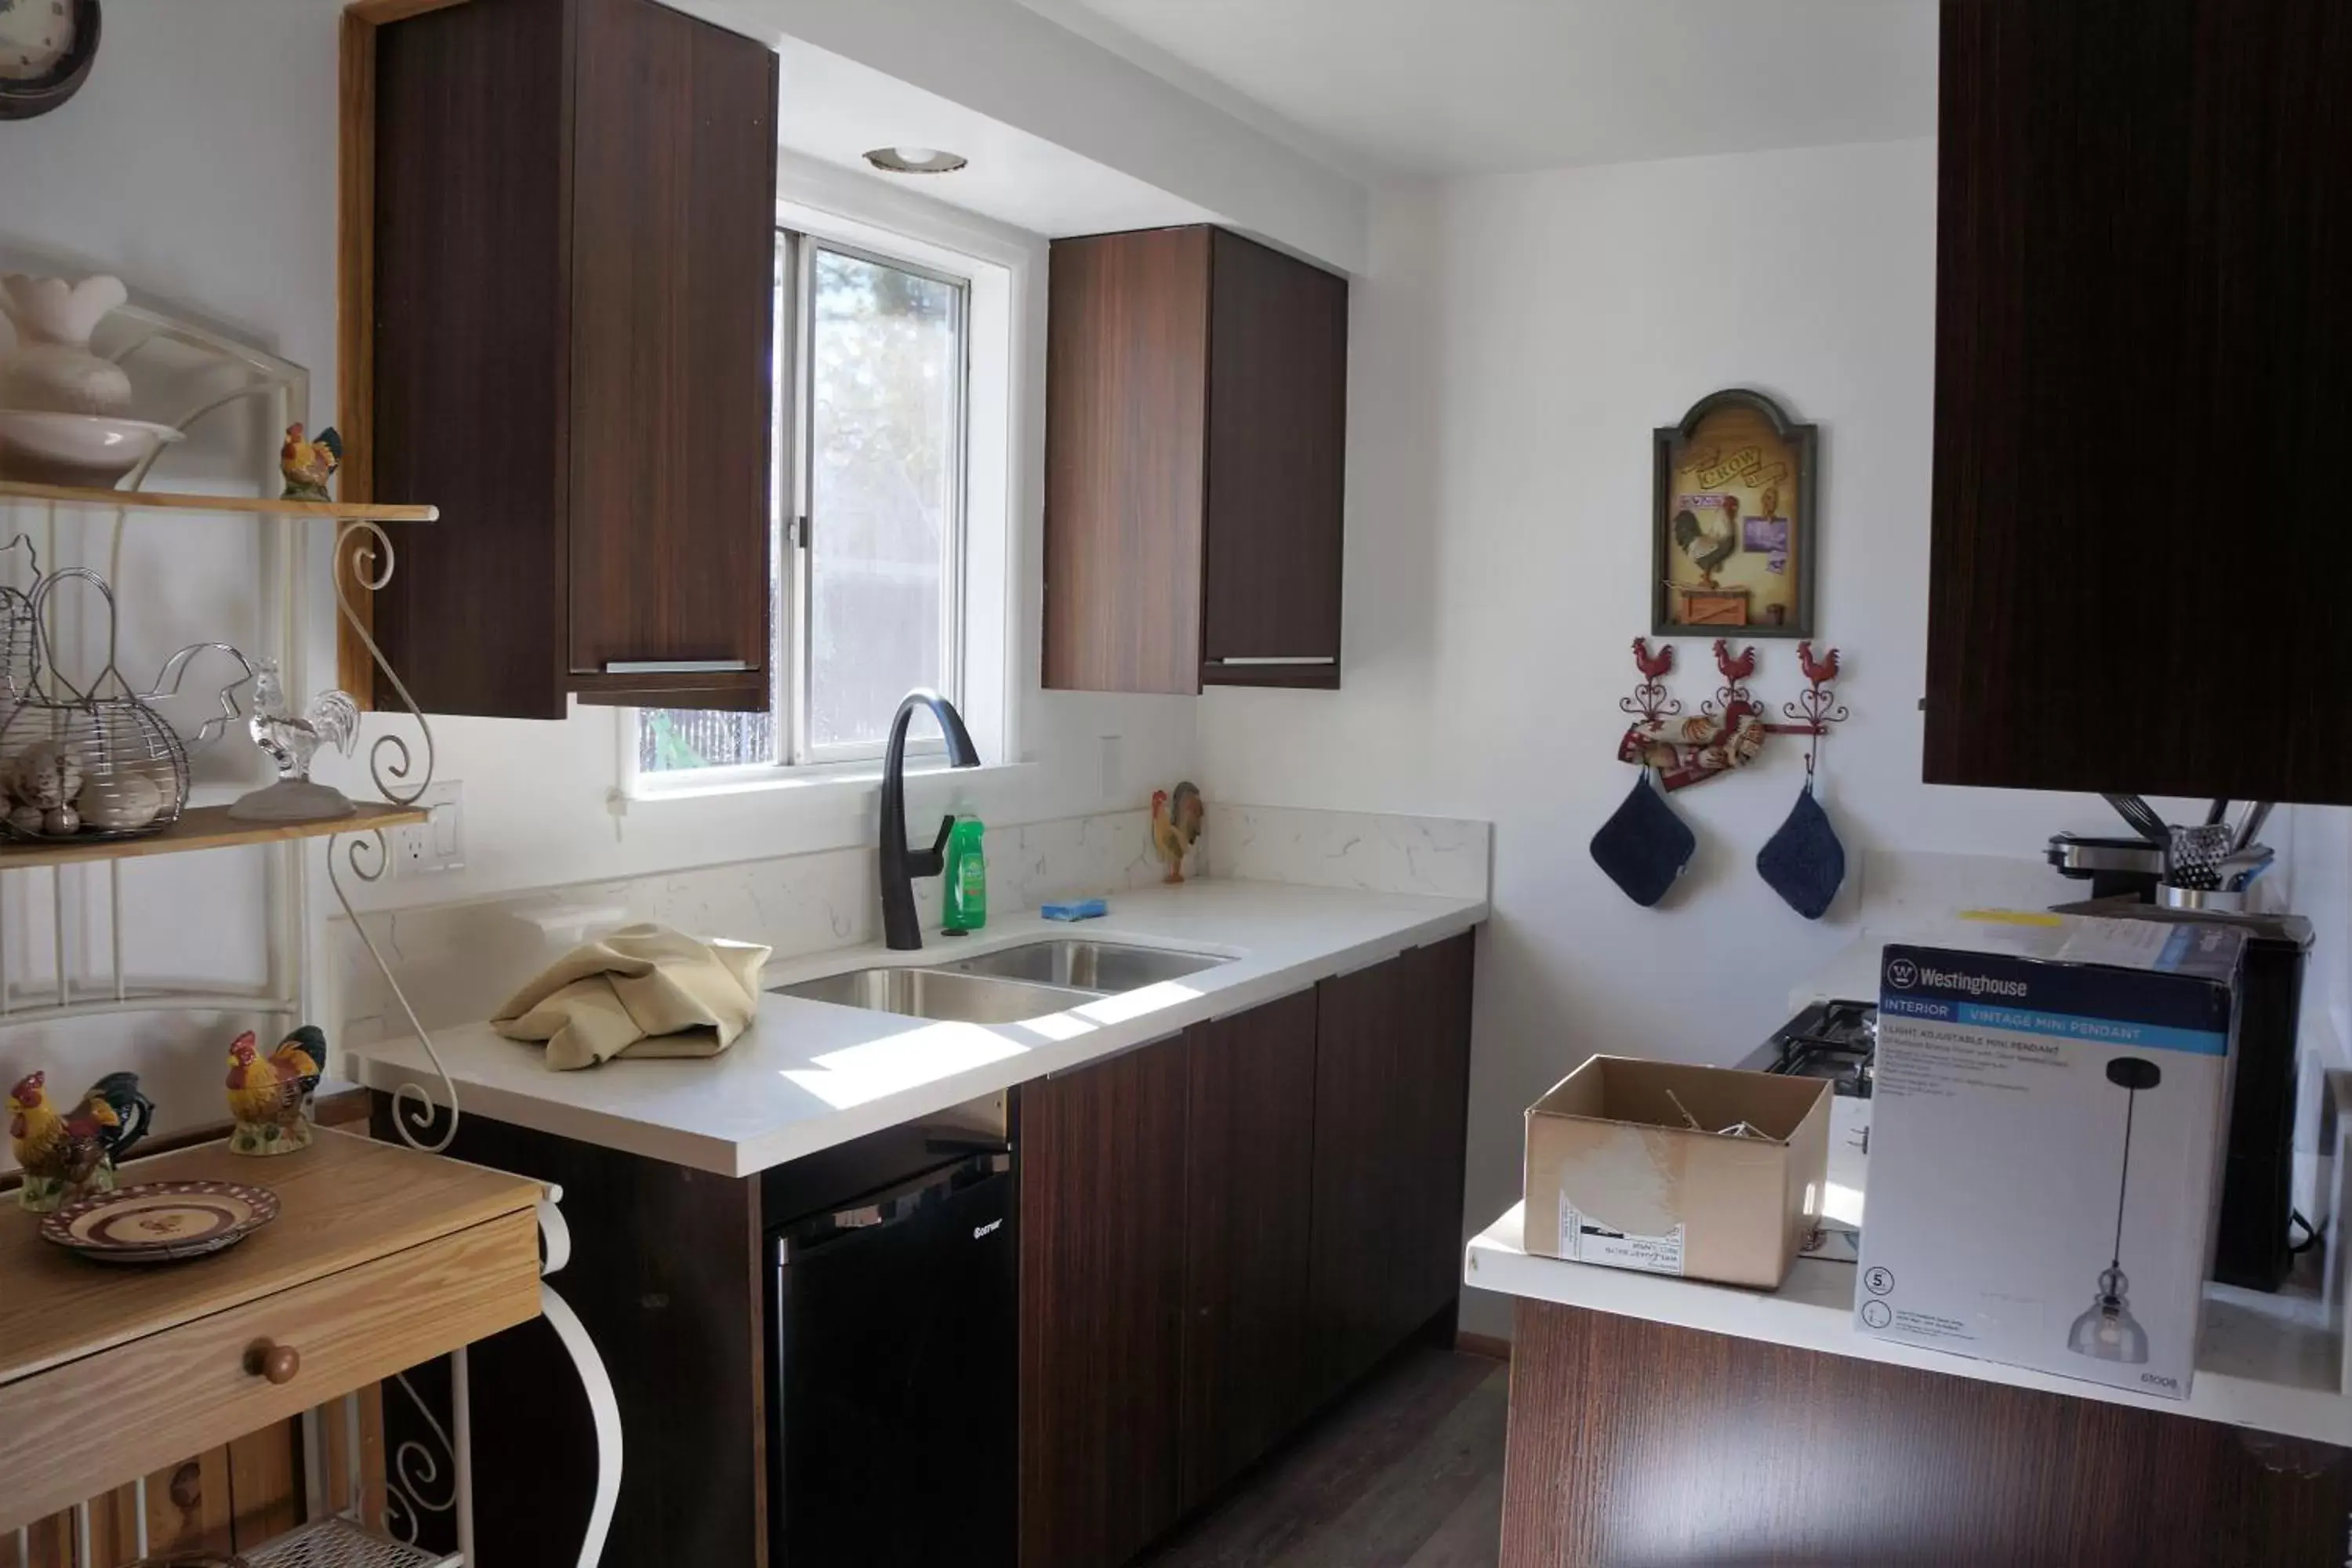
x=868, y=595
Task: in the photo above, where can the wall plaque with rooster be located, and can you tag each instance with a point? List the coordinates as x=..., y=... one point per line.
x=1732, y=533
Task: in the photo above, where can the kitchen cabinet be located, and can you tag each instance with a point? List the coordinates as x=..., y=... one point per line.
x=1249, y=1188
x=572, y=328
x=1221, y=1231
x=1195, y=436
x=2141, y=331
x=1638, y=1441
x=1392, y=1102
x=1102, y=1158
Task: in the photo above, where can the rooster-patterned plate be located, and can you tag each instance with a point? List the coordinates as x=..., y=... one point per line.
x=161, y=1222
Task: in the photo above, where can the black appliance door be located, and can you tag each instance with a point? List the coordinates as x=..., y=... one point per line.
x=895, y=1379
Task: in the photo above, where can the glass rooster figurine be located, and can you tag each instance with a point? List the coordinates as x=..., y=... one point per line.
x=71, y=1151
x=292, y=739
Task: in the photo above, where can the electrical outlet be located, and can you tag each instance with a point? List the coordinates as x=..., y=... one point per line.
x=436, y=843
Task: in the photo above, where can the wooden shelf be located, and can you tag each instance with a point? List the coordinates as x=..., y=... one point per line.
x=157, y=500
x=205, y=827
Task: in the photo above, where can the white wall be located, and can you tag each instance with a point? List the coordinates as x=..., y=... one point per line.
x=1516, y=340
x=199, y=165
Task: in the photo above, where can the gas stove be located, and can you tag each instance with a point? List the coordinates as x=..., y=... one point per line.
x=1831, y=1040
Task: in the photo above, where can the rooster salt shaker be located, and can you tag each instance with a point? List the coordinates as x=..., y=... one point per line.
x=1175, y=826
x=69, y=1152
x=269, y=1097
x=292, y=739
x=307, y=466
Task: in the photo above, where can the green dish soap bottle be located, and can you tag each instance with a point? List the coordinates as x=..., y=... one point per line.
x=967, y=879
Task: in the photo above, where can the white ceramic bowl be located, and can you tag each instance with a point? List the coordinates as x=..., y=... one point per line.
x=74, y=448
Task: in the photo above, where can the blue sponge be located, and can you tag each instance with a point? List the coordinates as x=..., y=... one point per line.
x=1082, y=910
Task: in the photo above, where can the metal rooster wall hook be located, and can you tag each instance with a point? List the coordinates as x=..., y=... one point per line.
x=1732, y=702
x=1650, y=702
x=1815, y=709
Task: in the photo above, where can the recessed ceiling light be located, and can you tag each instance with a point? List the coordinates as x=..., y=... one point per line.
x=916, y=161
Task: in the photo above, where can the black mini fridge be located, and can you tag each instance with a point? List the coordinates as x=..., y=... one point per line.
x=894, y=1352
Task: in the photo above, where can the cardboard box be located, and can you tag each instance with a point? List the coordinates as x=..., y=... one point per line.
x=1616, y=1174
x=2046, y=1147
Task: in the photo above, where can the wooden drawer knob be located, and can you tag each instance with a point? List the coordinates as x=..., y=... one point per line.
x=279, y=1364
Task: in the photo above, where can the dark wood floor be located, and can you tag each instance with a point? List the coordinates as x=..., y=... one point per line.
x=1406, y=1473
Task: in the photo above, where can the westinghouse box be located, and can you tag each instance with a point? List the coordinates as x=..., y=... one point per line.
x=2046, y=1147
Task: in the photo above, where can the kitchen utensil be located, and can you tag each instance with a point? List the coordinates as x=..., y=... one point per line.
x=161, y=1222
x=2141, y=816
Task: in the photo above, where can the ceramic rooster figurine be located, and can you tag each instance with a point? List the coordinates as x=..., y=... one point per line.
x=292, y=739
x=269, y=1097
x=66, y=1156
x=307, y=466
x=1175, y=826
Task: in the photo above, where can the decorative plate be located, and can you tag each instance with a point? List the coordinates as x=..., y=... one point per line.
x=161, y=1222
x=46, y=48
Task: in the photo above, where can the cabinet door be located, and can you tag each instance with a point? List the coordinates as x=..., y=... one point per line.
x=1278, y=439
x=672, y=314
x=1102, y=1284
x=2140, y=398
x=1126, y=408
x=1434, y=1068
x=1391, y=1074
x=1250, y=1187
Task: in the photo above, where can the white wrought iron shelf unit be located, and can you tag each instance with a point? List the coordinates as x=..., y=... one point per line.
x=295, y=961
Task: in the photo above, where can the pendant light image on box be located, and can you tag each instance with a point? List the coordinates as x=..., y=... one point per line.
x=2106, y=1330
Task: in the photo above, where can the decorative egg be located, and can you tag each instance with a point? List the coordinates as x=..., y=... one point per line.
x=120, y=800
x=48, y=774
x=60, y=822
x=25, y=820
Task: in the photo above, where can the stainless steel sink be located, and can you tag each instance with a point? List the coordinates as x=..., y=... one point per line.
x=940, y=994
x=1099, y=967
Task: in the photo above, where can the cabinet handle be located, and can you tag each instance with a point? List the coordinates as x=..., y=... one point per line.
x=1303, y=658
x=676, y=665
x=279, y=1364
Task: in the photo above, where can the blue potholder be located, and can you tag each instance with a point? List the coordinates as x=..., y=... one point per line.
x=1803, y=861
x=1643, y=846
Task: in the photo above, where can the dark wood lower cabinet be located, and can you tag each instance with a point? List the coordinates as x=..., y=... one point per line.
x=1222, y=1231
x=666, y=1276
x=1635, y=1442
x=1249, y=1188
x=1391, y=1088
x=1102, y=1290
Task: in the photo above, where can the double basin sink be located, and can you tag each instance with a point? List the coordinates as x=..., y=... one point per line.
x=1008, y=986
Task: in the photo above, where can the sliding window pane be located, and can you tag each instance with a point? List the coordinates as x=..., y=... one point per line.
x=887, y=366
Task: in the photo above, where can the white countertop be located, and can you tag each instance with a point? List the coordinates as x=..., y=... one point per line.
x=2264, y=1361
x=809, y=1075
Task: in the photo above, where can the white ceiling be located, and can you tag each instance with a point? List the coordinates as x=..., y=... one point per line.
x=1399, y=88
x=835, y=108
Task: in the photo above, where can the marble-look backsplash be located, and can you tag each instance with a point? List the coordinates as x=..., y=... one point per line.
x=1348, y=849
x=459, y=961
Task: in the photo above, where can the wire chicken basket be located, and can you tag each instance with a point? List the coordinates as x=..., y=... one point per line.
x=76, y=763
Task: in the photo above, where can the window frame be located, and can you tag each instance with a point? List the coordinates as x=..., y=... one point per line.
x=796, y=523
x=946, y=257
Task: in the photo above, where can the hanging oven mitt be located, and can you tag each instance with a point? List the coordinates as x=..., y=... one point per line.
x=1803, y=861
x=1643, y=846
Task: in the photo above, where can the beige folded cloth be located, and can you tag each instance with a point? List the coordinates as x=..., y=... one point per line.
x=644, y=989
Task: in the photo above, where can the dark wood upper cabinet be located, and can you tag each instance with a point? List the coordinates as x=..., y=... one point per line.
x=574, y=264
x=2142, y=331
x=1195, y=437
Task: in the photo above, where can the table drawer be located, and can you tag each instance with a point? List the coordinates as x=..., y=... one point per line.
x=79, y=1428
